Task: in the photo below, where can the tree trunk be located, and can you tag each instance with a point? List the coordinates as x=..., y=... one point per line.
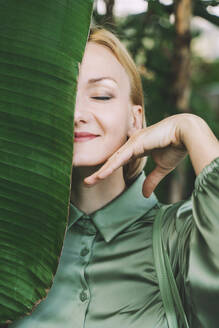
x=109, y=18
x=181, y=82
x=181, y=57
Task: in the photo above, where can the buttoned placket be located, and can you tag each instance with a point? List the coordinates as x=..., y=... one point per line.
x=87, y=241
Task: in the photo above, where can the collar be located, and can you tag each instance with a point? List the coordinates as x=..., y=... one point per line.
x=120, y=213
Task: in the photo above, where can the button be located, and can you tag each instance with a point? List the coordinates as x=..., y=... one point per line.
x=83, y=296
x=84, y=251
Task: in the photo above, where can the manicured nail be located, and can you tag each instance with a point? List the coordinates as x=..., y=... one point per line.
x=88, y=181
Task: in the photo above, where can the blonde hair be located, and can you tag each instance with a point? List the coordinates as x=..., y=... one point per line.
x=106, y=38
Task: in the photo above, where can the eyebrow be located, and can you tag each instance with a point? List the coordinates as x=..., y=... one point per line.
x=101, y=79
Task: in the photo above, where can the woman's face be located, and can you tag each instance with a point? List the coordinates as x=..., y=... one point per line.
x=103, y=118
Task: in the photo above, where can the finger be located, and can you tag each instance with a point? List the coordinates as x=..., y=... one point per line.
x=118, y=159
x=153, y=179
x=108, y=168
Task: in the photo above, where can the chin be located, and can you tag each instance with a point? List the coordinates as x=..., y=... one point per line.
x=80, y=161
x=93, y=156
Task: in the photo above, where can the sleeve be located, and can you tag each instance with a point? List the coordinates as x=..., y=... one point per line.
x=202, y=277
x=191, y=236
x=194, y=252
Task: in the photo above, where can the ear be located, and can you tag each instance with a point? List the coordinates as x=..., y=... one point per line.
x=135, y=121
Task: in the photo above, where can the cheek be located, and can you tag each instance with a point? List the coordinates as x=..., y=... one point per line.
x=115, y=120
x=111, y=121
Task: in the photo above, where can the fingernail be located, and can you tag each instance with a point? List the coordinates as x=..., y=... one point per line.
x=88, y=181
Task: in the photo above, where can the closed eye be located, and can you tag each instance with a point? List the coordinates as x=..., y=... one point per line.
x=102, y=98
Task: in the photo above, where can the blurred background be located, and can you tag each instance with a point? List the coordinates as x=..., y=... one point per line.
x=175, y=44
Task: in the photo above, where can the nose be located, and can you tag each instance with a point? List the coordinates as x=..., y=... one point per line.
x=82, y=114
x=79, y=116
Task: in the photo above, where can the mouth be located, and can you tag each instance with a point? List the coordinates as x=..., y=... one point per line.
x=84, y=136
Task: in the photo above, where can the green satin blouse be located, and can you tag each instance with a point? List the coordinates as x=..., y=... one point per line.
x=106, y=275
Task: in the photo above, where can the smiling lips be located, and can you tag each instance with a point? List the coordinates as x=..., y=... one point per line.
x=84, y=136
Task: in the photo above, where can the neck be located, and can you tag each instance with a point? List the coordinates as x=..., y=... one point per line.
x=92, y=198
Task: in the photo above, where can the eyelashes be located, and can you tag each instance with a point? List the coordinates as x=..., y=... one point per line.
x=103, y=98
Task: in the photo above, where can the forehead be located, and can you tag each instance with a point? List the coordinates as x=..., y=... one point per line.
x=98, y=62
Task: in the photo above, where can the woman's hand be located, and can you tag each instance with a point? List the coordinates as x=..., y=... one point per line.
x=168, y=142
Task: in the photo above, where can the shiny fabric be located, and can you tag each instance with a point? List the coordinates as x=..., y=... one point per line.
x=106, y=276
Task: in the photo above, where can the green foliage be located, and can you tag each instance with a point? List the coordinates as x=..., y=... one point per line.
x=205, y=91
x=41, y=44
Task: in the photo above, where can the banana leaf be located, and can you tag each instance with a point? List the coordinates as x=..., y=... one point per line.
x=41, y=44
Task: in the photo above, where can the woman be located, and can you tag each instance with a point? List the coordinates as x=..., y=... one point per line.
x=106, y=276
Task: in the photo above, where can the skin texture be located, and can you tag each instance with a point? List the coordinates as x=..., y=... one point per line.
x=103, y=108
x=108, y=118
x=115, y=120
